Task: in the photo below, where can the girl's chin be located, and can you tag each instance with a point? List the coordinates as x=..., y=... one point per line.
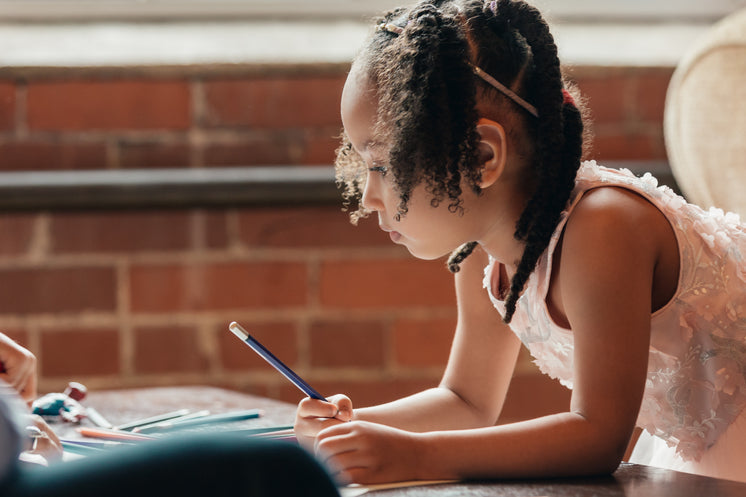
x=425, y=255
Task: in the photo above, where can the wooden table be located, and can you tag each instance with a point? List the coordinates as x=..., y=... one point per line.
x=630, y=480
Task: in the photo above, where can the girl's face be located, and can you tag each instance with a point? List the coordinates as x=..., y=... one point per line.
x=427, y=232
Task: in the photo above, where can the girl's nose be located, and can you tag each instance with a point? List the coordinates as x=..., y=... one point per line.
x=371, y=199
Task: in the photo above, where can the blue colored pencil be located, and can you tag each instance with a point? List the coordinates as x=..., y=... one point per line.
x=80, y=449
x=274, y=361
x=108, y=444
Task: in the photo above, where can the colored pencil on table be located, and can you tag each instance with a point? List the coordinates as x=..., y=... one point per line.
x=153, y=419
x=83, y=450
x=180, y=423
x=97, y=419
x=105, y=434
x=264, y=431
x=99, y=445
x=157, y=426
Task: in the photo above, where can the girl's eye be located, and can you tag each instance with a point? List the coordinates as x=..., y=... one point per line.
x=379, y=169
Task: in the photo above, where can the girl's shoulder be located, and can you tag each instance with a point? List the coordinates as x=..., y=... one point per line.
x=616, y=201
x=684, y=217
x=615, y=227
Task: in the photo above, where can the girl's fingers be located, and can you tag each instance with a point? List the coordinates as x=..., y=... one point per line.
x=344, y=408
x=48, y=445
x=25, y=378
x=312, y=408
x=19, y=367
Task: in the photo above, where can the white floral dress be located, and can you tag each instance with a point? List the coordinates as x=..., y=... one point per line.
x=694, y=399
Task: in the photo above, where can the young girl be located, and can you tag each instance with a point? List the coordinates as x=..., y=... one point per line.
x=461, y=138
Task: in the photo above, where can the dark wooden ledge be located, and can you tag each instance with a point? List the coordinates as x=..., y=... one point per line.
x=196, y=187
x=167, y=188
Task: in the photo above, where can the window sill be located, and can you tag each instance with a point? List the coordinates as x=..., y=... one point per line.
x=168, y=188
x=222, y=46
x=72, y=50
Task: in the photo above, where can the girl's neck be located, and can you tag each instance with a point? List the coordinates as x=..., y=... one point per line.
x=501, y=209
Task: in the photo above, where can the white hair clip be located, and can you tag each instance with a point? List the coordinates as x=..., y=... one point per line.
x=391, y=28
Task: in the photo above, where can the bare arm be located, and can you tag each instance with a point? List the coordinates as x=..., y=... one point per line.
x=474, y=385
x=604, y=282
x=480, y=366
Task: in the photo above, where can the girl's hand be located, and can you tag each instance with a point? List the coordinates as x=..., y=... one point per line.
x=314, y=415
x=44, y=446
x=364, y=452
x=18, y=368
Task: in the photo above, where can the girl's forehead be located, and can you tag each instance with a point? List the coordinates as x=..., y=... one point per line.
x=357, y=87
x=359, y=108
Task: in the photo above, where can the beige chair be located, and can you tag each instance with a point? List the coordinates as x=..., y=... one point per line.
x=705, y=118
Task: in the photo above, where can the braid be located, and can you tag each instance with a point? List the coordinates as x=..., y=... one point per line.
x=458, y=256
x=558, y=143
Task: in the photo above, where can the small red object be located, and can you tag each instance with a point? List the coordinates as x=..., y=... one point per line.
x=76, y=391
x=567, y=98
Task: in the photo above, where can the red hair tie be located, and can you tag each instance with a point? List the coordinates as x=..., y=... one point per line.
x=567, y=98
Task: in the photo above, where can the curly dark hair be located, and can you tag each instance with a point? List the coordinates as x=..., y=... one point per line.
x=428, y=96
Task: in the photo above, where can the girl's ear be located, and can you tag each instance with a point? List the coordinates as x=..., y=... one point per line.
x=492, y=151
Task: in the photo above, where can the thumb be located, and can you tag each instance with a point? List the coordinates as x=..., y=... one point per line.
x=344, y=408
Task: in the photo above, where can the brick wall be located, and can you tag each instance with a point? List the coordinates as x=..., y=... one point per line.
x=143, y=297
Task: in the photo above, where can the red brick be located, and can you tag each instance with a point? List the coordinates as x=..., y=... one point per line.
x=274, y=102
x=43, y=290
x=275, y=150
x=385, y=283
x=7, y=105
x=279, y=337
x=307, y=227
x=203, y=287
x=42, y=156
x=347, y=344
x=609, y=98
x=321, y=149
x=17, y=231
x=107, y=105
x=216, y=229
x=650, y=94
x=363, y=392
x=628, y=146
x=534, y=395
x=153, y=155
x=17, y=335
x=120, y=231
x=79, y=352
x=261, y=390
x=423, y=343
x=172, y=349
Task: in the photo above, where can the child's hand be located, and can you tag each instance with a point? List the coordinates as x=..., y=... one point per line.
x=18, y=368
x=364, y=452
x=314, y=415
x=44, y=446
